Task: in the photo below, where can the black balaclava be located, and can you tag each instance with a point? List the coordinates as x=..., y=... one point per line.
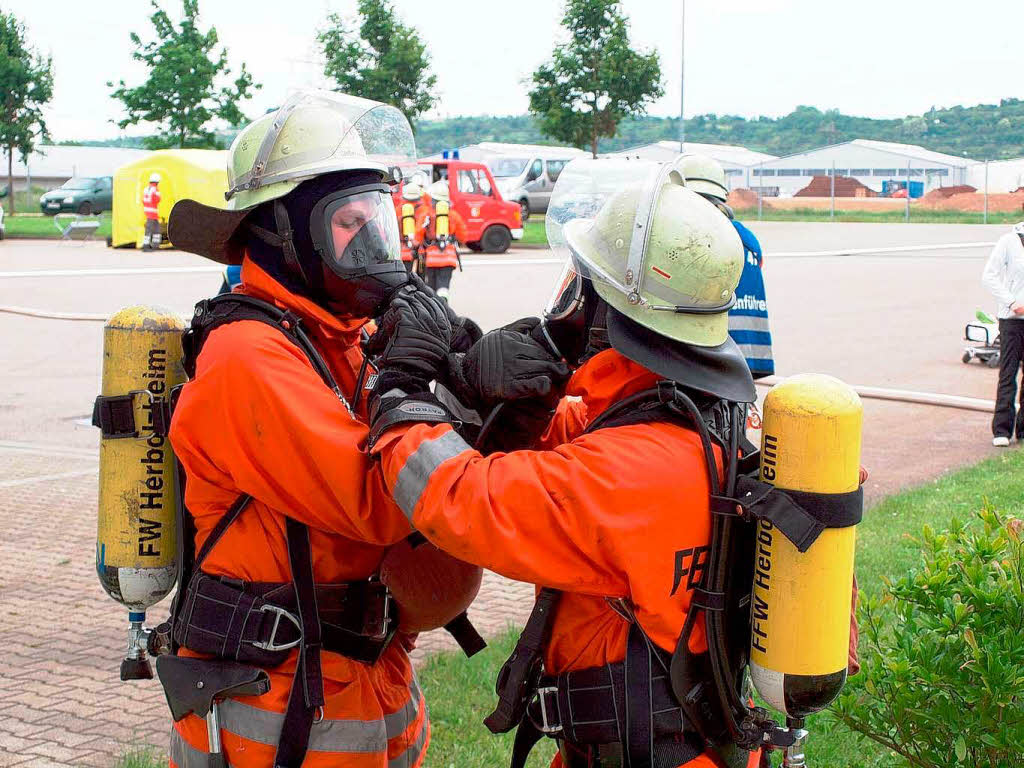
x=362, y=300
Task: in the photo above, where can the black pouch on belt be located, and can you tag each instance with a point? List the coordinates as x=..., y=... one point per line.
x=258, y=623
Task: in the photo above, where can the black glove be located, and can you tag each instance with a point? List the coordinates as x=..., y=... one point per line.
x=413, y=336
x=506, y=365
x=465, y=332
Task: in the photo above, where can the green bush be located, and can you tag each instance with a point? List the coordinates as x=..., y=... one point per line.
x=943, y=652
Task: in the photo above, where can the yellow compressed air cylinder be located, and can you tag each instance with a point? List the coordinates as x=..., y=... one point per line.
x=800, y=607
x=408, y=220
x=136, y=541
x=441, y=225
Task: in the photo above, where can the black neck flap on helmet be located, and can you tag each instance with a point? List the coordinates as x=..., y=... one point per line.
x=719, y=371
x=333, y=239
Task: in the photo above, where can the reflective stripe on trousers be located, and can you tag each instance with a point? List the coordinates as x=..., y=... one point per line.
x=416, y=472
x=331, y=736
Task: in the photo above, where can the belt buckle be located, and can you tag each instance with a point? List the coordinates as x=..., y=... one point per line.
x=384, y=628
x=545, y=726
x=279, y=613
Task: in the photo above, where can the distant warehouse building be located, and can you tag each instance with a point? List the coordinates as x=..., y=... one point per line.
x=872, y=163
x=49, y=166
x=735, y=160
x=1002, y=176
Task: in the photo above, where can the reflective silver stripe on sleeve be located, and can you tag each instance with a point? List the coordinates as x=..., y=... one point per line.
x=748, y=323
x=408, y=758
x=184, y=755
x=264, y=727
x=413, y=477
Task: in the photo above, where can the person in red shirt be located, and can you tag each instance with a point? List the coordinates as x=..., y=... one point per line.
x=151, y=210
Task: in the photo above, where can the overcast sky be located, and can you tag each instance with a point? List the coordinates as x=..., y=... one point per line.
x=877, y=58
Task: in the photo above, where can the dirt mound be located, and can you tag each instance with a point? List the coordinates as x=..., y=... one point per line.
x=821, y=186
x=943, y=193
x=974, y=202
x=742, y=198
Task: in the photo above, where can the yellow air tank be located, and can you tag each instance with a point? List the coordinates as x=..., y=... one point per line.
x=801, y=600
x=408, y=221
x=136, y=542
x=441, y=226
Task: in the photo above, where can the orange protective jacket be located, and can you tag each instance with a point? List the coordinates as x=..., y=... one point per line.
x=425, y=220
x=619, y=512
x=258, y=419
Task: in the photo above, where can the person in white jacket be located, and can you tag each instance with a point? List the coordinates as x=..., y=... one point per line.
x=1004, y=279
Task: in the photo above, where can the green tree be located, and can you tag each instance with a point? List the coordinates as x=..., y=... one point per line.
x=26, y=85
x=386, y=61
x=181, y=95
x=595, y=80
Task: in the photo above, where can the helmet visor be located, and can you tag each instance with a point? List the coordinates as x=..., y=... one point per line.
x=359, y=229
x=567, y=296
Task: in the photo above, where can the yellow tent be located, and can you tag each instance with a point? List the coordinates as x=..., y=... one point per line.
x=199, y=174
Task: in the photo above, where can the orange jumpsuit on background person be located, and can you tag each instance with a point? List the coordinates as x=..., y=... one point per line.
x=426, y=217
x=604, y=514
x=258, y=419
x=407, y=252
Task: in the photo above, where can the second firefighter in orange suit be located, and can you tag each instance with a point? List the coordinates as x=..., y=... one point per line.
x=609, y=510
x=440, y=229
x=617, y=519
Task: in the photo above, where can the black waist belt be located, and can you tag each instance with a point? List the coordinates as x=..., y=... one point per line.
x=587, y=706
x=258, y=622
x=621, y=714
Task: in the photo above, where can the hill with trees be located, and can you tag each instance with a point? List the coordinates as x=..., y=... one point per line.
x=986, y=131
x=983, y=132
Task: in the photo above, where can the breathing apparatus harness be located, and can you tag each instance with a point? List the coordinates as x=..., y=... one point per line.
x=248, y=625
x=654, y=708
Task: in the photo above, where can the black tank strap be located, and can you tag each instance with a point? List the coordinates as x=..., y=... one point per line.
x=212, y=313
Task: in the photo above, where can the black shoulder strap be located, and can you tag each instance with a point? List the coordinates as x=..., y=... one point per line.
x=212, y=313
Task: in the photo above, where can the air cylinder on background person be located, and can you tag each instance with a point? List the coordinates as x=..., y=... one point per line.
x=136, y=543
x=441, y=228
x=811, y=439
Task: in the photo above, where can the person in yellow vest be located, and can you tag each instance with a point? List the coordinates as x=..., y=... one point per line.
x=150, y=204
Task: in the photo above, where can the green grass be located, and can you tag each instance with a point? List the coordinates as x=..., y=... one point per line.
x=141, y=757
x=917, y=216
x=43, y=226
x=460, y=692
x=533, y=232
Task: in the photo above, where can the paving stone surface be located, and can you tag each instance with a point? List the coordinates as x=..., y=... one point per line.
x=62, y=639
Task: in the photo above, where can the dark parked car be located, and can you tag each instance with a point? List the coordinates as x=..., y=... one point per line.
x=82, y=195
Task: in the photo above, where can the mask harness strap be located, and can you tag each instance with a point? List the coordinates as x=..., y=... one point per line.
x=282, y=239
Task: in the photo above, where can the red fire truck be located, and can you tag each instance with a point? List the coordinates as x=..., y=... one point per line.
x=492, y=223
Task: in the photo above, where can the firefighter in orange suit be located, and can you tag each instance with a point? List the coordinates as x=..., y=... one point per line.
x=440, y=228
x=609, y=511
x=290, y=526
x=150, y=209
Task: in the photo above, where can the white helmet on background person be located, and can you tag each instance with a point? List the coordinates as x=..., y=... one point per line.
x=412, y=192
x=439, y=190
x=704, y=175
x=154, y=178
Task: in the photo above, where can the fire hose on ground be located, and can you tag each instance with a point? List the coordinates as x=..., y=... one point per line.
x=938, y=400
